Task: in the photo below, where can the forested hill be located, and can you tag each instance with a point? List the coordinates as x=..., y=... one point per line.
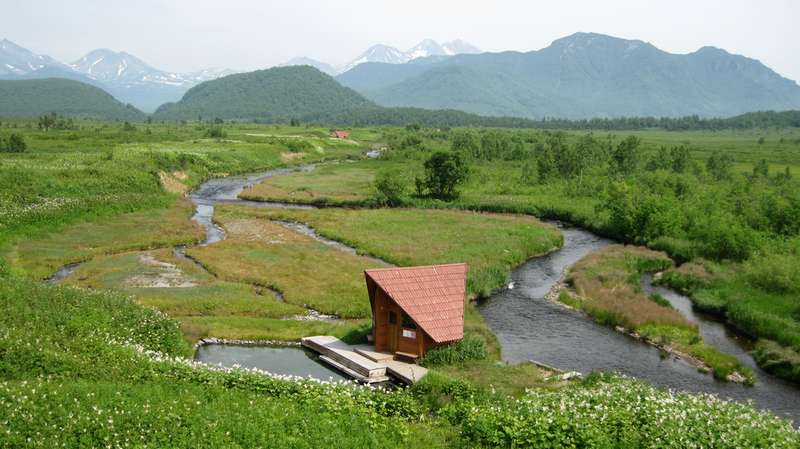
x=277, y=94
x=30, y=98
x=582, y=76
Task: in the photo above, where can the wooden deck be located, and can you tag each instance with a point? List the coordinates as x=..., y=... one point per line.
x=362, y=362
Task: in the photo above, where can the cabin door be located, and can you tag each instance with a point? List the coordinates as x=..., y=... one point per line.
x=393, y=330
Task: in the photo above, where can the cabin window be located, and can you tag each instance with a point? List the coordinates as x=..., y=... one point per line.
x=408, y=333
x=392, y=317
x=408, y=323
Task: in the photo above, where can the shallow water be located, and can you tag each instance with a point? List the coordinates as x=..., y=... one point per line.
x=287, y=360
x=63, y=272
x=226, y=191
x=531, y=327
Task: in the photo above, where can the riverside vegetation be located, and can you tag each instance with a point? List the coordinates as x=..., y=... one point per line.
x=99, y=366
x=725, y=200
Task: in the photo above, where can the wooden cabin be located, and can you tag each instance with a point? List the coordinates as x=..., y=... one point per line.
x=416, y=309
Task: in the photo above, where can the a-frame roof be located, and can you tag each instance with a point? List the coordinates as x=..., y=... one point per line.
x=433, y=296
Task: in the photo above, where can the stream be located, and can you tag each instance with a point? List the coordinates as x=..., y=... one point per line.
x=531, y=327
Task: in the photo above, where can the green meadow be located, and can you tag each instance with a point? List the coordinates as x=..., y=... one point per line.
x=103, y=358
x=723, y=198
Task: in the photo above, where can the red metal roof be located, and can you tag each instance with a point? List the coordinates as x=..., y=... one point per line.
x=433, y=296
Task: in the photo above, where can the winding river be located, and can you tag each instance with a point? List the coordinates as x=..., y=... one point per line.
x=531, y=327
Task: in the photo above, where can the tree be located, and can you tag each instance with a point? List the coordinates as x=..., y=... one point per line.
x=545, y=162
x=660, y=160
x=47, y=121
x=761, y=169
x=216, y=132
x=680, y=159
x=389, y=188
x=14, y=144
x=444, y=171
x=529, y=175
x=625, y=157
x=465, y=142
x=719, y=165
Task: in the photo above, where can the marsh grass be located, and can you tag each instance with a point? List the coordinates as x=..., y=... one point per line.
x=41, y=256
x=491, y=244
x=204, y=307
x=307, y=273
x=606, y=284
x=334, y=184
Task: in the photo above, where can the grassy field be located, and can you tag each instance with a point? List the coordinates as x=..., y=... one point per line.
x=335, y=184
x=99, y=367
x=742, y=214
x=97, y=169
x=606, y=285
x=491, y=244
x=41, y=257
x=306, y=272
x=90, y=381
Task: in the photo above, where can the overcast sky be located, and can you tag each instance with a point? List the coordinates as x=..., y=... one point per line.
x=186, y=35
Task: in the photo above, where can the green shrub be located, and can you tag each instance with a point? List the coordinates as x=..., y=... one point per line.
x=216, y=132
x=660, y=300
x=390, y=188
x=614, y=413
x=775, y=273
x=778, y=360
x=469, y=348
x=15, y=143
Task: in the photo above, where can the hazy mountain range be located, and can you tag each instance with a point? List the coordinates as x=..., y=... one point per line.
x=391, y=55
x=581, y=76
x=123, y=75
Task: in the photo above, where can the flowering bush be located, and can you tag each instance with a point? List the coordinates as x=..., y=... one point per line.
x=619, y=413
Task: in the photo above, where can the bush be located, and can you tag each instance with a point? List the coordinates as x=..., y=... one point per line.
x=389, y=188
x=779, y=360
x=469, y=348
x=443, y=173
x=618, y=414
x=216, y=132
x=14, y=144
x=774, y=273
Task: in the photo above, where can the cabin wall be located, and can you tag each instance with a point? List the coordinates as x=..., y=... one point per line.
x=380, y=318
x=389, y=337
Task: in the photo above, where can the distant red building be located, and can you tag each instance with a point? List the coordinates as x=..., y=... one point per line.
x=341, y=134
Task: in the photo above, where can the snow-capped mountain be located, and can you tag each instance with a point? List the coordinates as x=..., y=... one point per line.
x=323, y=67
x=391, y=55
x=110, y=66
x=120, y=67
x=460, y=47
x=18, y=61
x=207, y=74
x=121, y=74
x=378, y=53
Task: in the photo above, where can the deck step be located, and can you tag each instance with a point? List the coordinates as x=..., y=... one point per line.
x=351, y=373
x=375, y=356
x=336, y=351
x=406, y=357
